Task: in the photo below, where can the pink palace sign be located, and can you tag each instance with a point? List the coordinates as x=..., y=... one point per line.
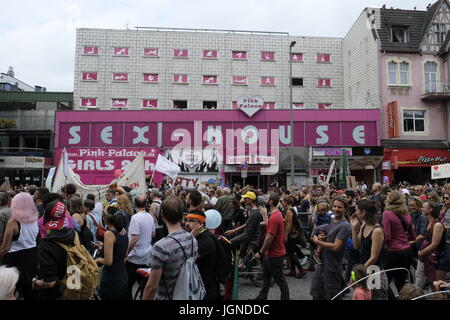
x=99, y=142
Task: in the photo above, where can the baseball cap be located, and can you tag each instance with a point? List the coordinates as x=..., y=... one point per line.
x=250, y=195
x=56, y=215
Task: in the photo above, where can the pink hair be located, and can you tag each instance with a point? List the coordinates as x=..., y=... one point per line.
x=23, y=208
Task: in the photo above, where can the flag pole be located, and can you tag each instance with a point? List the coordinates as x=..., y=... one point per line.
x=151, y=179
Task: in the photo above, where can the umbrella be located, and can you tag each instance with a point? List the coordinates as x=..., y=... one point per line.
x=343, y=168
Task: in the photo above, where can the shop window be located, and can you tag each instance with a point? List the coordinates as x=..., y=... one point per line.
x=209, y=104
x=29, y=142
x=43, y=143
x=413, y=121
x=297, y=81
x=180, y=104
x=14, y=142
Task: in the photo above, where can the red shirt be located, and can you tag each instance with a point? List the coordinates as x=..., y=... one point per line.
x=275, y=226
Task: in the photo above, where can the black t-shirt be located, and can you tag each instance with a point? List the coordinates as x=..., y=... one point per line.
x=206, y=262
x=239, y=217
x=252, y=224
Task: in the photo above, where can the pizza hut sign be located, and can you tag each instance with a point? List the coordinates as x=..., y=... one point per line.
x=431, y=160
x=250, y=105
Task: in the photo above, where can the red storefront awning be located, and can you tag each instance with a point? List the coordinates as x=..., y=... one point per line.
x=417, y=157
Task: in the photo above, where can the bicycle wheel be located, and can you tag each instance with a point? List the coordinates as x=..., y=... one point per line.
x=255, y=272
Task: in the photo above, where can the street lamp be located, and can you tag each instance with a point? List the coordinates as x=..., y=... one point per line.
x=291, y=113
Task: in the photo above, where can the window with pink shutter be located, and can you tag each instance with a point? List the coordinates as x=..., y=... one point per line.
x=90, y=51
x=324, y=83
x=180, y=53
x=210, y=54
x=267, y=56
x=149, y=103
x=324, y=106
x=120, y=51
x=297, y=105
x=239, y=55
x=89, y=76
x=151, y=77
x=89, y=102
x=151, y=52
x=209, y=80
x=119, y=103
x=297, y=57
x=268, y=81
x=323, y=58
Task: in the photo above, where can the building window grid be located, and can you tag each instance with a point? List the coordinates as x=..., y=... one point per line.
x=413, y=121
x=439, y=32
x=398, y=73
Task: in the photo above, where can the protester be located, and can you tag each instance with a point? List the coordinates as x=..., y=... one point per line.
x=125, y=208
x=420, y=223
x=167, y=255
x=8, y=280
x=19, y=242
x=409, y=292
x=368, y=237
x=250, y=227
x=361, y=290
x=142, y=230
x=47, y=199
x=327, y=279
x=434, y=251
x=225, y=206
x=5, y=214
x=273, y=252
x=292, y=239
x=93, y=217
x=114, y=281
x=155, y=210
x=110, y=196
x=52, y=258
x=207, y=253
x=38, y=196
x=398, y=232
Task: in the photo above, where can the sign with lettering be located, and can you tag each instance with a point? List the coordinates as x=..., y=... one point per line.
x=250, y=105
x=89, y=102
x=440, y=171
x=331, y=152
x=122, y=77
x=418, y=157
x=120, y=51
x=209, y=79
x=392, y=114
x=267, y=56
x=239, y=55
x=89, y=76
x=7, y=123
x=34, y=162
x=151, y=77
x=183, y=53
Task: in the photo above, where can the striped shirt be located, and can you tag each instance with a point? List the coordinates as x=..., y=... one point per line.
x=168, y=255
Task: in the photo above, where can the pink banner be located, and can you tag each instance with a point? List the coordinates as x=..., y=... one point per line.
x=321, y=134
x=127, y=129
x=121, y=51
x=90, y=50
x=89, y=76
x=120, y=77
x=210, y=54
x=97, y=165
x=151, y=77
x=151, y=52
x=239, y=55
x=267, y=56
x=268, y=81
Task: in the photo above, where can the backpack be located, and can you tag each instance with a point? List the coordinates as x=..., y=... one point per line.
x=223, y=265
x=158, y=212
x=189, y=284
x=78, y=258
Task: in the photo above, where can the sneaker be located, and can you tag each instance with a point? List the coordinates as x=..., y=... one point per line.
x=301, y=274
x=303, y=261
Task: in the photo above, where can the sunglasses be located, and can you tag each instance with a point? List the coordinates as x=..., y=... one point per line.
x=191, y=220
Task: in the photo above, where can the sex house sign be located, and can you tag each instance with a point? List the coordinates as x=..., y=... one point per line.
x=108, y=135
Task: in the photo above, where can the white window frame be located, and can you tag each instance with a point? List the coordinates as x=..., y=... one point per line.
x=399, y=61
x=426, y=122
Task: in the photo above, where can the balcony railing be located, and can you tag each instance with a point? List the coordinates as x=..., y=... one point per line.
x=436, y=90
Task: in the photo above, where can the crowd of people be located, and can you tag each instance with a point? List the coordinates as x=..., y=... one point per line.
x=399, y=232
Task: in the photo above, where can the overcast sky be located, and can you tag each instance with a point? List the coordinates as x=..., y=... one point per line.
x=37, y=38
